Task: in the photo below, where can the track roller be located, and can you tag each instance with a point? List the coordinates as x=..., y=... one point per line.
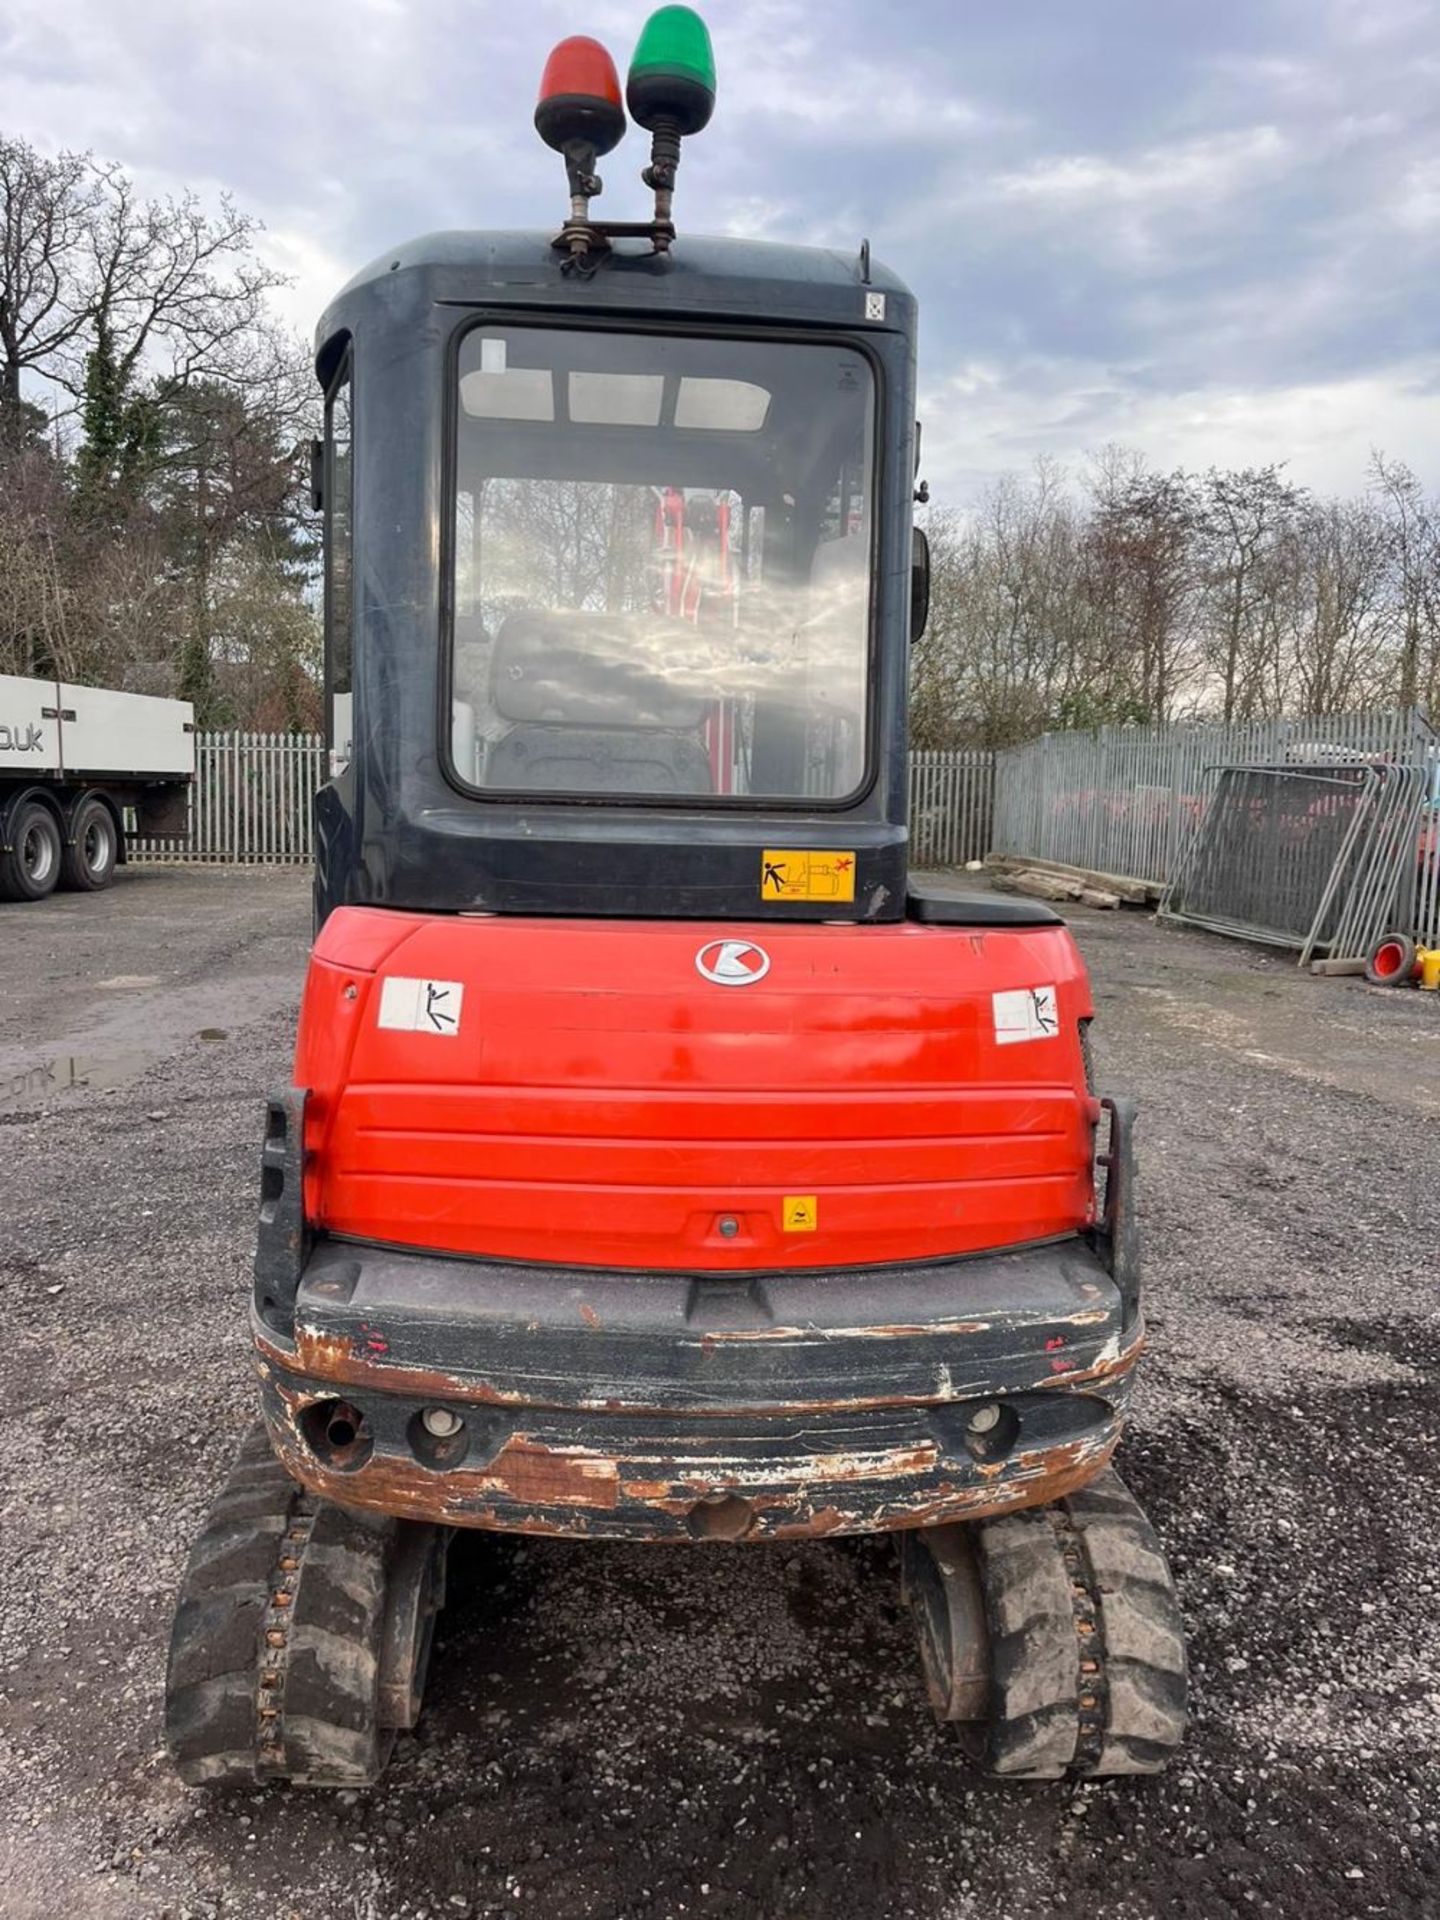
x=302, y=1634
x=1052, y=1637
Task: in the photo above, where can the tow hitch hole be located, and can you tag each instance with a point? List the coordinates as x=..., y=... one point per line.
x=438, y=1450
x=336, y=1434
x=720, y=1516
x=992, y=1430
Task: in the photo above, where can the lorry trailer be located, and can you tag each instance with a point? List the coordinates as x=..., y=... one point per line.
x=81, y=770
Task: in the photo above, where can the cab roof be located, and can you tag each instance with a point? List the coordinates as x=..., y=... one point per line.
x=757, y=280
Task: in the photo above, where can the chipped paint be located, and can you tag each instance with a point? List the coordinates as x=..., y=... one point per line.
x=531, y=1484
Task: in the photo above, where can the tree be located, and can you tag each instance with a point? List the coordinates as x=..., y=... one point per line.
x=1413, y=544
x=231, y=486
x=141, y=535
x=173, y=296
x=47, y=208
x=1142, y=580
x=1243, y=516
x=1333, y=608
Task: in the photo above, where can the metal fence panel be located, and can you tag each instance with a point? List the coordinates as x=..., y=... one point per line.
x=1128, y=800
x=1120, y=800
x=1316, y=858
x=951, y=803
x=250, y=802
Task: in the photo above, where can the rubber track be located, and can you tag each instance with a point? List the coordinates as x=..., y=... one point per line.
x=1088, y=1670
x=274, y=1657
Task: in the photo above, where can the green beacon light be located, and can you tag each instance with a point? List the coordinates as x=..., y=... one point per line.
x=672, y=77
x=671, y=93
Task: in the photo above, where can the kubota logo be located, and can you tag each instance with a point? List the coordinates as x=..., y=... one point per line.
x=733, y=963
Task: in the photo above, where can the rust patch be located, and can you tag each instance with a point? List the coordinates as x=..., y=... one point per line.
x=572, y=1493
x=693, y=1481
x=534, y=1475
x=335, y=1360
x=1109, y=1367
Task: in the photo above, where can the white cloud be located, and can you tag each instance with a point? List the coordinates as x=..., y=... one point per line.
x=988, y=419
x=1215, y=246
x=1217, y=166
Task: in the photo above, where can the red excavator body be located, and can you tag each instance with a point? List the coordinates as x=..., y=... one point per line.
x=615, y=1196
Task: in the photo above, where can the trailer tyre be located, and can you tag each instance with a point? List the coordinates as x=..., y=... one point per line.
x=30, y=869
x=89, y=861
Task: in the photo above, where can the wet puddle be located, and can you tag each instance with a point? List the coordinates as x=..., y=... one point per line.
x=91, y=1073
x=81, y=1073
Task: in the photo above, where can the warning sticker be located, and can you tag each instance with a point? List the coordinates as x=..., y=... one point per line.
x=421, y=1006
x=788, y=873
x=801, y=1213
x=1029, y=1013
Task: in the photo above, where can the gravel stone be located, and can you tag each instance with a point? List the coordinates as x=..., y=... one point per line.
x=620, y=1732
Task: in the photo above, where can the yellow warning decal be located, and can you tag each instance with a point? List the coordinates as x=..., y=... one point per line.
x=790, y=873
x=801, y=1213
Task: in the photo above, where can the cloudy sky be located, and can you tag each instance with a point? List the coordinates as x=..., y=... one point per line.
x=1207, y=229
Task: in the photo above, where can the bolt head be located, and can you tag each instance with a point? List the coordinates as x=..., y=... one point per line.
x=440, y=1423
x=729, y=1226
x=985, y=1419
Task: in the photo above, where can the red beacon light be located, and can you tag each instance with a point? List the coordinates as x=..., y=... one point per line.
x=580, y=104
x=581, y=115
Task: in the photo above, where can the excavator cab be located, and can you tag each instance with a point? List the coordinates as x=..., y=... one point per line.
x=661, y=1161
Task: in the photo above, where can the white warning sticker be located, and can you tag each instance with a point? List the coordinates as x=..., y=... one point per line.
x=1029, y=1013
x=421, y=1006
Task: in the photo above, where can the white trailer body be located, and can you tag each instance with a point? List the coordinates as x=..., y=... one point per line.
x=29, y=725
x=53, y=726
x=76, y=765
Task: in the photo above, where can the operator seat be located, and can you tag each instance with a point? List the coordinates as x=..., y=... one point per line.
x=586, y=715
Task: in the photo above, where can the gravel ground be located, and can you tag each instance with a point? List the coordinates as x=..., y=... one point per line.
x=722, y=1732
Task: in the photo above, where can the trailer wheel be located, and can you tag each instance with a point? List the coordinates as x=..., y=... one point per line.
x=88, y=863
x=1052, y=1637
x=31, y=868
x=1391, y=961
x=301, y=1637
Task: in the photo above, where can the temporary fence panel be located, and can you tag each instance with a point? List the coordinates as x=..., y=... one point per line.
x=1376, y=893
x=1126, y=800
x=250, y=802
x=1427, y=861
x=1317, y=858
x=951, y=804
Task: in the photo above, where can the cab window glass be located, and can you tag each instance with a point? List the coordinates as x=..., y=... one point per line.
x=662, y=565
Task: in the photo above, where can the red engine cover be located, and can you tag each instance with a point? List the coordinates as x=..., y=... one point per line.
x=584, y=1093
